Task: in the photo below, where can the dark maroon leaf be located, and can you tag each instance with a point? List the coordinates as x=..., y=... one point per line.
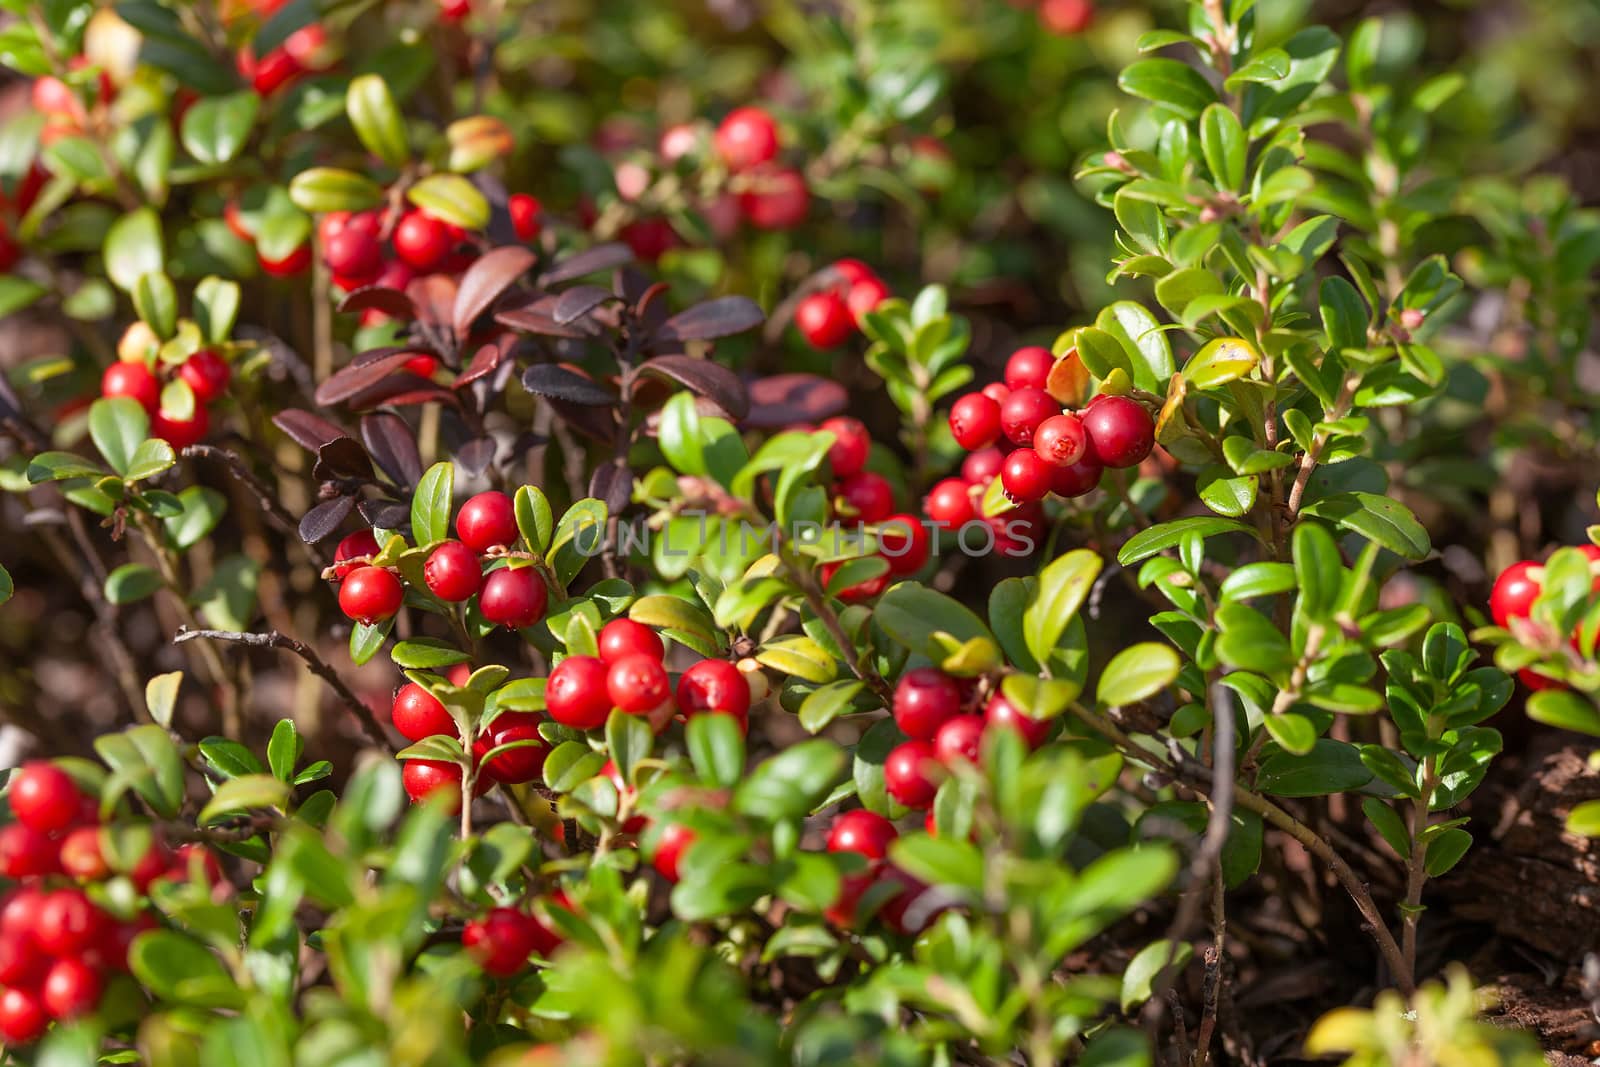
x=785, y=399
x=650, y=307
x=704, y=378
x=486, y=280
x=342, y=458
x=721, y=317
x=538, y=316
x=475, y=455
x=589, y=261
x=578, y=301
x=325, y=518
x=595, y=422
x=391, y=302
x=484, y=361
x=308, y=431
x=401, y=390
x=353, y=379
x=434, y=296
x=559, y=383
x=385, y=514
x=372, y=355
x=613, y=483
x=389, y=440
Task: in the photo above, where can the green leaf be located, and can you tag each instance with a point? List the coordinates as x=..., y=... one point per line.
x=203, y=508
x=431, y=503
x=570, y=764
x=1250, y=641
x=578, y=538
x=284, y=749
x=792, y=783
x=244, y=793
x=216, y=308
x=1174, y=85
x=377, y=120
x=7, y=587
x=799, y=656
x=947, y=862
x=59, y=466
x=535, y=520
x=365, y=640
x=912, y=614
x=1118, y=1046
x=451, y=198
x=1061, y=589
x=1584, y=819
x=426, y=654
x=228, y=598
x=1344, y=314
x=1138, y=673
x=1141, y=336
x=134, y=247
x=1155, y=960
x=323, y=189
x=17, y=293
x=828, y=703
x=215, y=128
x=1445, y=851
x=679, y=434
x=1330, y=767
x=1385, y=522
x=178, y=968
x=156, y=302
x=1226, y=493
x=1318, y=569
x=1389, y=825
x=716, y=749
x=1294, y=733
x=118, y=425
x=628, y=739
x=131, y=582
x=145, y=759
x=149, y=459
x=1159, y=538
x=1223, y=143
x=1220, y=361
x=1566, y=710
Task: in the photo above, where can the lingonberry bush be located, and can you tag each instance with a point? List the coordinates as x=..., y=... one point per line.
x=669, y=697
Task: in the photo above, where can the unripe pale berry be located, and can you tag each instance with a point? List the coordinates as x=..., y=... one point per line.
x=452, y=572
x=514, y=597
x=371, y=595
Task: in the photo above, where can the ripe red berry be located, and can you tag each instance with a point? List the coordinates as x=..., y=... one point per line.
x=861, y=591
x=68, y=923
x=975, y=421
x=44, y=797
x=620, y=638
x=71, y=988
x=22, y=1017
x=638, y=684
x=452, y=572
x=824, y=320
x=80, y=856
x=1514, y=593
x=714, y=685
x=132, y=379
x=371, y=595
x=959, y=739
x=1120, y=430
x=487, y=520
x=1029, y=367
x=674, y=841
x=747, y=138
x=983, y=466
x=949, y=504
x=996, y=391
x=575, y=694
x=516, y=765
x=777, y=199
x=421, y=241
x=650, y=239
x=1065, y=18
x=514, y=597
x=1000, y=713
x=851, y=445
x=910, y=774
x=193, y=859
x=454, y=10
x=903, y=541
x=1022, y=412
x=362, y=544
x=1078, y=478
x=1026, y=476
x=1060, y=440
x=416, y=713
x=864, y=296
x=868, y=495
x=207, y=374
x=21, y=962
x=19, y=915
x=501, y=941
x=355, y=253
x=181, y=433
x=424, y=777
x=25, y=852
x=422, y=365
x=288, y=265
x=866, y=833
x=524, y=211
x=924, y=700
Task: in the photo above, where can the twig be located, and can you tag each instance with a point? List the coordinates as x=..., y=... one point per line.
x=1207, y=862
x=241, y=472
x=274, y=639
x=830, y=619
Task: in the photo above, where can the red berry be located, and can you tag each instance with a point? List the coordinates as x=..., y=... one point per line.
x=903, y=541
x=371, y=595
x=996, y=391
x=421, y=241
x=191, y=859
x=452, y=572
x=416, y=713
x=983, y=466
x=714, y=685
x=866, y=833
x=747, y=138
x=424, y=777
x=71, y=988
x=861, y=591
x=777, y=199
x=155, y=862
x=851, y=445
x=852, y=887
x=486, y=521
x=1026, y=476
x=44, y=797
x=132, y=379
x=949, y=504
x=52, y=96
x=674, y=841
x=362, y=544
x=181, y=433
x=354, y=252
x=1078, y=478
x=513, y=597
x=1536, y=681
x=21, y=962
x=1066, y=17
x=910, y=774
x=1514, y=593
x=422, y=365
x=638, y=684
x=81, y=857
x=620, y=638
x=207, y=374
x=1121, y=431
x=454, y=10
x=824, y=320
x=19, y=915
x=1029, y=367
x=851, y=271
x=22, y=1017
x=309, y=47
x=68, y=923
x=868, y=495
x=10, y=251
x=1023, y=411
x=575, y=694
x=975, y=421
x=924, y=700
x=958, y=739
x=650, y=239
x=1000, y=713
x=516, y=765
x=287, y=266
x=1060, y=440
x=865, y=296
x=501, y=941
x=114, y=952
x=524, y=211
x=25, y=852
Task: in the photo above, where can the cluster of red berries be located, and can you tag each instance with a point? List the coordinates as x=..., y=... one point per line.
x=58, y=948
x=1065, y=18
x=770, y=196
x=1515, y=590
x=137, y=374
x=868, y=834
x=63, y=109
x=454, y=10
x=937, y=714
x=503, y=939
x=307, y=50
x=513, y=595
x=827, y=318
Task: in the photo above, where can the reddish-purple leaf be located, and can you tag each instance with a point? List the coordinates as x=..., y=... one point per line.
x=385, y=514
x=325, y=518
x=308, y=431
x=784, y=399
x=342, y=458
x=401, y=390
x=474, y=456
x=484, y=361
x=391, y=302
x=372, y=355
x=434, y=296
x=589, y=261
x=559, y=383
x=578, y=301
x=392, y=446
x=353, y=379
x=595, y=422
x=613, y=483
x=721, y=317
x=485, y=281
x=704, y=378
x=538, y=316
